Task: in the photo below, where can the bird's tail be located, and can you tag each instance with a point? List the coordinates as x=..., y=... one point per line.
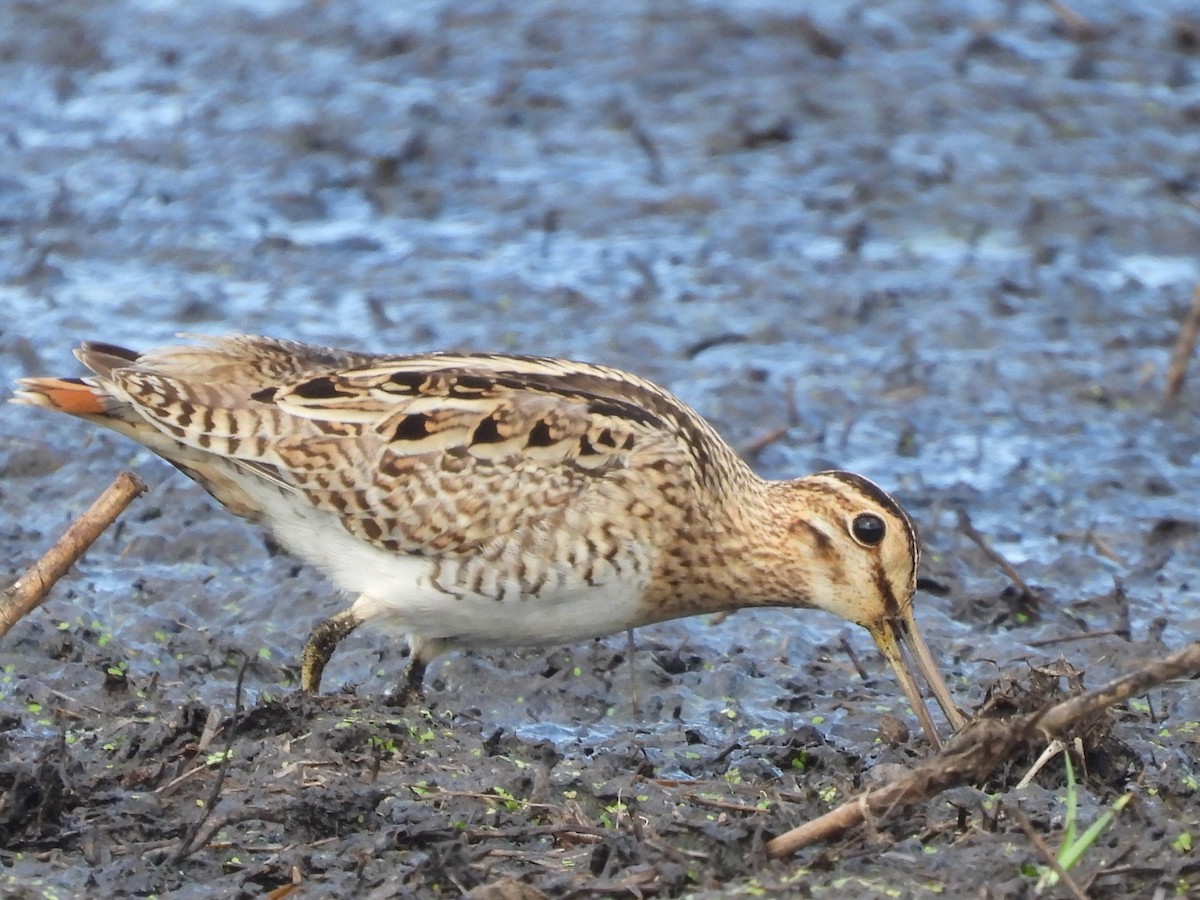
x=69, y=395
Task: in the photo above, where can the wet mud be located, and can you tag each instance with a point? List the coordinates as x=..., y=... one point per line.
x=947, y=246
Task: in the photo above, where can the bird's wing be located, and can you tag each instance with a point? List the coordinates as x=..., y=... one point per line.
x=436, y=454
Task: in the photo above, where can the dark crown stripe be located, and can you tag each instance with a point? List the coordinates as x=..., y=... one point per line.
x=885, y=501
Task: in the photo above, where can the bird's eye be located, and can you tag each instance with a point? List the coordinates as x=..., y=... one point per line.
x=868, y=529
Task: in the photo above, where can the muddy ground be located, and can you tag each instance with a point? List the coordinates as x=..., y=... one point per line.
x=946, y=245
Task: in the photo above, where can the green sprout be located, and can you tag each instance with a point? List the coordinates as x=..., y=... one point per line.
x=1074, y=846
x=383, y=745
x=511, y=803
x=613, y=814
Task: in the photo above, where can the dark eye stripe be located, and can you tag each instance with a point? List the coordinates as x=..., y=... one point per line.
x=885, y=501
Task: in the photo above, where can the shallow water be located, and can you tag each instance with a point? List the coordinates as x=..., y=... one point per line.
x=947, y=248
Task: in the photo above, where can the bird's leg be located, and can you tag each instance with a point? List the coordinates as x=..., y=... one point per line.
x=414, y=680
x=321, y=644
x=631, y=649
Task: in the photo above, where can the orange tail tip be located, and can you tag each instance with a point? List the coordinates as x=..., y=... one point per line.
x=64, y=394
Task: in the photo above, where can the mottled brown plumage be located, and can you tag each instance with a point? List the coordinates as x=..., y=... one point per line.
x=482, y=499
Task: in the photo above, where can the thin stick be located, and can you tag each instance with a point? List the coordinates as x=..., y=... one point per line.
x=1085, y=636
x=191, y=842
x=1080, y=28
x=30, y=590
x=978, y=749
x=1185, y=347
x=965, y=526
x=724, y=805
x=1104, y=549
x=1048, y=854
x=858, y=666
x=756, y=446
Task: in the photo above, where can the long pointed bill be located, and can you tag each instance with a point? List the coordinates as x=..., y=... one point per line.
x=888, y=636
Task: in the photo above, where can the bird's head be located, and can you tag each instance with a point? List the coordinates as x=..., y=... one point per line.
x=853, y=551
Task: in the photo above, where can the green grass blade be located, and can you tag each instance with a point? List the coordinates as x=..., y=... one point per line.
x=1071, y=853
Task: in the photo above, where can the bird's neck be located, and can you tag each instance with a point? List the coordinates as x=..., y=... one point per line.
x=726, y=557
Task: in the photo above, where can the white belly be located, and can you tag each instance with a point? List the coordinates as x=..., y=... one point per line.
x=398, y=592
x=471, y=620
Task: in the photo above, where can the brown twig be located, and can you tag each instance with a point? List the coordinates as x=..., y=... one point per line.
x=1185, y=348
x=858, y=666
x=30, y=590
x=1077, y=26
x=1069, y=638
x=191, y=840
x=726, y=805
x=1127, y=849
x=978, y=749
x=965, y=526
x=1104, y=549
x=754, y=447
x=627, y=119
x=1047, y=854
x=969, y=757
